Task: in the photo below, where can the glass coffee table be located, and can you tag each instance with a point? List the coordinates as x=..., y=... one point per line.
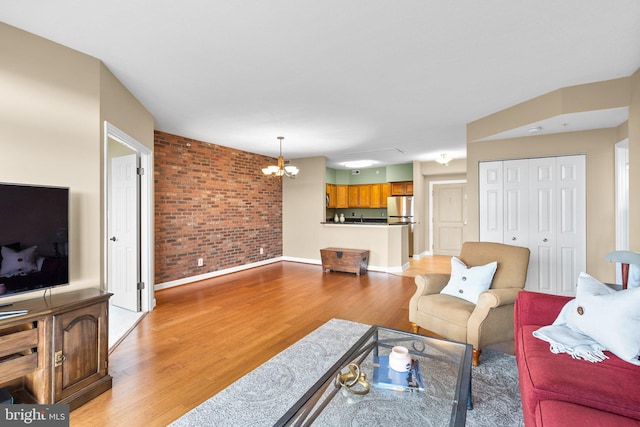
x=445, y=367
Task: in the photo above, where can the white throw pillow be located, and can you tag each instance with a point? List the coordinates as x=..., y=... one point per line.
x=468, y=283
x=18, y=263
x=611, y=318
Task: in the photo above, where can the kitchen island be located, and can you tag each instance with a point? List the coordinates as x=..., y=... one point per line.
x=388, y=243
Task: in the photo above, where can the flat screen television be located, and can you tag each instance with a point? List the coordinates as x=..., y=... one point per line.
x=34, y=238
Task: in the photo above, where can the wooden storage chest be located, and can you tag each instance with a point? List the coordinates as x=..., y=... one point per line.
x=345, y=260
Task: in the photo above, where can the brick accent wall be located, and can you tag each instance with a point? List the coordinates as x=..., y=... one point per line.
x=212, y=202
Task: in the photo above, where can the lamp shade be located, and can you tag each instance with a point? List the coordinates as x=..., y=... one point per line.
x=623, y=257
x=280, y=169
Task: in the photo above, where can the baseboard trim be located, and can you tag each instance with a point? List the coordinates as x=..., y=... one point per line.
x=212, y=274
x=397, y=269
x=191, y=279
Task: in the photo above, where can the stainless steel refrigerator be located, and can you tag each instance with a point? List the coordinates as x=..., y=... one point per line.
x=400, y=211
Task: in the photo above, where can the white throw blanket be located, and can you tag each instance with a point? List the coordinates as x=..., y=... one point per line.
x=563, y=339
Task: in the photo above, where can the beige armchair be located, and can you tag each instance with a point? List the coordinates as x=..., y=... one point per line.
x=488, y=322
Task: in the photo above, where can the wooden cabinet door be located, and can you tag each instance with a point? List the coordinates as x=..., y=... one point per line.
x=397, y=188
x=364, y=197
x=385, y=191
x=408, y=188
x=342, y=196
x=376, y=198
x=80, y=349
x=404, y=188
x=332, y=193
x=354, y=196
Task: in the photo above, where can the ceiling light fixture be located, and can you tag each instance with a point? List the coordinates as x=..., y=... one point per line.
x=279, y=170
x=444, y=159
x=359, y=164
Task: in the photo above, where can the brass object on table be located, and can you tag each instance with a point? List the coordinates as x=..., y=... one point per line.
x=350, y=379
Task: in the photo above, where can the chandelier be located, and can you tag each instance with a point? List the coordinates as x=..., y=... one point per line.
x=279, y=170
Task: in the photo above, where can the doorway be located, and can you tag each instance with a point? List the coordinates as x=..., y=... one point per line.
x=448, y=216
x=128, y=202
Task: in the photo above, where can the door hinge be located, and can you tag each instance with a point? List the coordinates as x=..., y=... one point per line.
x=140, y=171
x=140, y=285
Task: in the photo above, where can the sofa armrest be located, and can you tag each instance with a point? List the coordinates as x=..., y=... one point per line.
x=536, y=308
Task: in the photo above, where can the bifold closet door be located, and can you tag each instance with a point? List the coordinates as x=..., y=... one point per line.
x=504, y=202
x=557, y=225
x=540, y=204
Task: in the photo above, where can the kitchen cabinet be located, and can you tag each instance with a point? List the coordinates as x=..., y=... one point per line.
x=354, y=196
x=364, y=196
x=404, y=188
x=342, y=196
x=385, y=191
x=376, y=196
x=379, y=194
x=332, y=194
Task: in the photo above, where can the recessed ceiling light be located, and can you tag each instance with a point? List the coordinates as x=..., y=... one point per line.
x=535, y=129
x=359, y=164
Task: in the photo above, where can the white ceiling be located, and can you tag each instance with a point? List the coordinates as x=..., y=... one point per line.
x=393, y=81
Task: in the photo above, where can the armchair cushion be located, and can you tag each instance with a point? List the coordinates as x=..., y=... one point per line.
x=468, y=282
x=447, y=316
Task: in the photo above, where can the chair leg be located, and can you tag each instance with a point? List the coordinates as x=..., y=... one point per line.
x=415, y=328
x=475, y=360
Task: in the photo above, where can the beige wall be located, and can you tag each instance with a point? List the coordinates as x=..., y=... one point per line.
x=50, y=134
x=119, y=107
x=598, y=145
x=303, y=207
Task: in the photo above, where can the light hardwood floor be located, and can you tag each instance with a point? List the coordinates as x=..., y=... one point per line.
x=203, y=336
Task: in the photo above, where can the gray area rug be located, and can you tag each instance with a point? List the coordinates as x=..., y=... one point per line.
x=262, y=396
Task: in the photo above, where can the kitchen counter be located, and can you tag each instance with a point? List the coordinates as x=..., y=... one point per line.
x=355, y=223
x=365, y=222
x=388, y=244
x=358, y=221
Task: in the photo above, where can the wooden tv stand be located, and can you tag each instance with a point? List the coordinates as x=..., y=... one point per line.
x=58, y=352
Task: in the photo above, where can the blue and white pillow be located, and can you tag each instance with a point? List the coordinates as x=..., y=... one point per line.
x=469, y=282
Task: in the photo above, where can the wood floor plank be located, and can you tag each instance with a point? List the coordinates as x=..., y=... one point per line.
x=203, y=336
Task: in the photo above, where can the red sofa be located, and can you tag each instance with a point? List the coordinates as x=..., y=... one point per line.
x=558, y=390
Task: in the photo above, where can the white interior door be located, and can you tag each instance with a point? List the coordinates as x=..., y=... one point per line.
x=124, y=253
x=516, y=202
x=491, y=202
x=448, y=218
x=572, y=222
x=557, y=224
x=541, y=275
